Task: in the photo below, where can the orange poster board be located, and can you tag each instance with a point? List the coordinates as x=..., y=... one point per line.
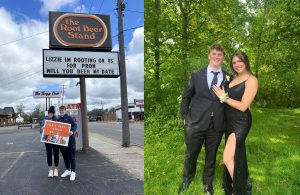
x=56, y=133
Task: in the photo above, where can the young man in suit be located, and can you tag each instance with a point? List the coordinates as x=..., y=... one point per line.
x=204, y=119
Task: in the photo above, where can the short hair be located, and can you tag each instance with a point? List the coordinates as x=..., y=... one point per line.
x=62, y=108
x=217, y=47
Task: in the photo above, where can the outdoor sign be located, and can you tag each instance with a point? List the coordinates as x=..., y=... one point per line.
x=73, y=109
x=56, y=133
x=80, y=30
x=74, y=106
x=139, y=103
x=66, y=63
x=46, y=94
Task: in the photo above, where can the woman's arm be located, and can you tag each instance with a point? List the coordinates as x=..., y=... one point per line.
x=248, y=96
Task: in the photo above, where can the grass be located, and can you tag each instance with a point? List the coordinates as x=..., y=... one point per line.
x=273, y=153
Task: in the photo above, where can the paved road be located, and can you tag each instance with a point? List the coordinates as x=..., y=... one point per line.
x=23, y=169
x=114, y=131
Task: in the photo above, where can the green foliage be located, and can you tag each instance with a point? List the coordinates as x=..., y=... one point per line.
x=37, y=113
x=272, y=153
x=179, y=32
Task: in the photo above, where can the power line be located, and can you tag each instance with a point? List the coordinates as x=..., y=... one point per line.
x=81, y=5
x=23, y=38
x=91, y=6
x=128, y=10
x=128, y=29
x=108, y=11
x=17, y=75
x=101, y=5
x=21, y=78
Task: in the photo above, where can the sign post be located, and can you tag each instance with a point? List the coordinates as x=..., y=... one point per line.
x=46, y=94
x=80, y=46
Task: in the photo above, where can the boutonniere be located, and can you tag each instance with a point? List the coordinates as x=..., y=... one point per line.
x=227, y=78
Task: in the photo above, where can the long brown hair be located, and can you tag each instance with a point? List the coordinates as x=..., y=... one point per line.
x=242, y=56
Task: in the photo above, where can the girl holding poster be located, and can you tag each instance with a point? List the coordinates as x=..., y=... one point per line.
x=51, y=147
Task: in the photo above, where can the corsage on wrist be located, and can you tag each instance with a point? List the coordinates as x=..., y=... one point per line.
x=224, y=97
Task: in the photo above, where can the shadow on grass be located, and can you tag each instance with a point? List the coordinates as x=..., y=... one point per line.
x=272, y=152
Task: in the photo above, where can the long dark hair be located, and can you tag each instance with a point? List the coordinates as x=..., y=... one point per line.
x=242, y=56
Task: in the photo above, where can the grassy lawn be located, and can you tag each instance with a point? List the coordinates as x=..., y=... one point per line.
x=273, y=152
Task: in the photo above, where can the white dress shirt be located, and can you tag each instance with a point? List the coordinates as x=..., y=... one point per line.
x=210, y=76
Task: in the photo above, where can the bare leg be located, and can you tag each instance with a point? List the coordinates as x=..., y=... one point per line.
x=229, y=152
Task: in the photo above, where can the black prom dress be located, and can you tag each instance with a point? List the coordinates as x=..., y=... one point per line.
x=238, y=122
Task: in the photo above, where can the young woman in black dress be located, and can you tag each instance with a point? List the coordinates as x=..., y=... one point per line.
x=240, y=93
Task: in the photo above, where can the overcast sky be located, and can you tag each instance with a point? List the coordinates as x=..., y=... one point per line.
x=24, y=33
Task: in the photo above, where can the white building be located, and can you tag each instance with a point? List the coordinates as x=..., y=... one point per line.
x=135, y=112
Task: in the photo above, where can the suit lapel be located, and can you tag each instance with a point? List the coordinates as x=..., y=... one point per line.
x=204, y=73
x=224, y=78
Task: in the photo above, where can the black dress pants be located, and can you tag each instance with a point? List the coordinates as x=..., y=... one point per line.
x=55, y=149
x=194, y=139
x=69, y=154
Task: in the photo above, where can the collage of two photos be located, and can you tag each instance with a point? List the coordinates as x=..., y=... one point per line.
x=149, y=97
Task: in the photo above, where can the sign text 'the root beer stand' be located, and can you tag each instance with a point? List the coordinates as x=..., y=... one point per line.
x=80, y=31
x=80, y=45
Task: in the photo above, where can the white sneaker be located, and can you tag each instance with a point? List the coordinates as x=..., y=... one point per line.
x=66, y=173
x=73, y=175
x=50, y=174
x=55, y=173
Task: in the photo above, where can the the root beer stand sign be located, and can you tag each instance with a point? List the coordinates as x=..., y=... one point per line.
x=80, y=46
x=80, y=31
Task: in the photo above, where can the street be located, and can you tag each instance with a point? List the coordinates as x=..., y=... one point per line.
x=114, y=130
x=24, y=170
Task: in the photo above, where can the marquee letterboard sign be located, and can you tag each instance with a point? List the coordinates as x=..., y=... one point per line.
x=85, y=31
x=66, y=63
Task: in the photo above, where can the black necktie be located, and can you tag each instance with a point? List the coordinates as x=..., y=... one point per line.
x=214, y=81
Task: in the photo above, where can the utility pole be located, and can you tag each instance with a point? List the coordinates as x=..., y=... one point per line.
x=63, y=91
x=102, y=111
x=123, y=80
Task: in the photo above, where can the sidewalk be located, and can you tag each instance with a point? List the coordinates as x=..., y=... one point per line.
x=130, y=159
x=24, y=170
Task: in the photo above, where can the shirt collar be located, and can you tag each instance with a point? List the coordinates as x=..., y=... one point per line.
x=209, y=69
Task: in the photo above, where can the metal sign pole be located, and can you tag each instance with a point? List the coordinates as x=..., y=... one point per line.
x=85, y=131
x=46, y=104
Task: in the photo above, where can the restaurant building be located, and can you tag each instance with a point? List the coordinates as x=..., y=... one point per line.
x=7, y=116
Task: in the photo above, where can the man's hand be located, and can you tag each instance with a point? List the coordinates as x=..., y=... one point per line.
x=71, y=133
x=184, y=121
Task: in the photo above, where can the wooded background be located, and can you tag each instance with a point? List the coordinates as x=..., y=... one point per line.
x=179, y=32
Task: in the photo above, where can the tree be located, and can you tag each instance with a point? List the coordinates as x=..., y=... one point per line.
x=20, y=109
x=38, y=113
x=178, y=33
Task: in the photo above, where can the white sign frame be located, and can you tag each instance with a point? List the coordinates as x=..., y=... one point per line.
x=74, y=64
x=46, y=94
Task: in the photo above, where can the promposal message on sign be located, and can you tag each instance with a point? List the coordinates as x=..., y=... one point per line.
x=62, y=63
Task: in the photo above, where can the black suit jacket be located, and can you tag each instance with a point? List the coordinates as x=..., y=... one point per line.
x=203, y=103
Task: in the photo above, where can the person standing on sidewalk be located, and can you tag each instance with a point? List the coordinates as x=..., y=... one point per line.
x=51, y=147
x=68, y=152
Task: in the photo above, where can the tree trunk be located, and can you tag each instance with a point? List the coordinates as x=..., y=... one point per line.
x=184, y=7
